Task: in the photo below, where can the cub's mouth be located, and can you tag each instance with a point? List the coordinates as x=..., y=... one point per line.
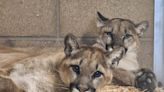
x=77, y=88
x=110, y=48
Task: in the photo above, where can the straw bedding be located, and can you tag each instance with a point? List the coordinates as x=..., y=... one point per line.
x=115, y=88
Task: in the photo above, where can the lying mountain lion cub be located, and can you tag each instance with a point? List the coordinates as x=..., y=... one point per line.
x=77, y=69
x=116, y=33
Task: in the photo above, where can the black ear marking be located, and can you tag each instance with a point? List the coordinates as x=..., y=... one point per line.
x=101, y=17
x=71, y=44
x=101, y=20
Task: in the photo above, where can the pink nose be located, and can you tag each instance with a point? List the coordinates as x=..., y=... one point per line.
x=83, y=88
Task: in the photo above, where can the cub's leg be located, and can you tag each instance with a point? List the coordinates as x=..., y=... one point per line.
x=145, y=80
x=7, y=85
x=123, y=77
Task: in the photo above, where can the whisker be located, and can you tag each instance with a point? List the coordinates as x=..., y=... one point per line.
x=62, y=87
x=59, y=84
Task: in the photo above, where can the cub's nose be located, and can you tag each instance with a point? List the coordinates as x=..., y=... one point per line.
x=82, y=88
x=79, y=88
x=117, y=42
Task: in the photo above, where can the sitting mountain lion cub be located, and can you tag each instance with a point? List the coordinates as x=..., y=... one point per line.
x=115, y=33
x=76, y=69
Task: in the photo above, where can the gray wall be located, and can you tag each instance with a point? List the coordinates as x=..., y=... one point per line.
x=159, y=40
x=45, y=22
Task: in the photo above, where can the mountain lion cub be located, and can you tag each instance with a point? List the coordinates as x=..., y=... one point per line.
x=74, y=69
x=117, y=32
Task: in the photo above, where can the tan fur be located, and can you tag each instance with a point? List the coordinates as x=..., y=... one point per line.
x=116, y=33
x=124, y=33
x=7, y=85
x=51, y=72
x=32, y=73
x=118, y=27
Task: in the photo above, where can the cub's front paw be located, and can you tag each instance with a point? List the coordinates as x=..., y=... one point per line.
x=145, y=80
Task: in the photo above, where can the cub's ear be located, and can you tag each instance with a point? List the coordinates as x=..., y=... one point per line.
x=71, y=44
x=101, y=20
x=142, y=27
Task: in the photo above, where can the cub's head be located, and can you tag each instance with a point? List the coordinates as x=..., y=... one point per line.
x=120, y=32
x=84, y=68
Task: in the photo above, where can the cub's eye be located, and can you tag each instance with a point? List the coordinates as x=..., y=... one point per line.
x=127, y=36
x=109, y=33
x=76, y=69
x=97, y=74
